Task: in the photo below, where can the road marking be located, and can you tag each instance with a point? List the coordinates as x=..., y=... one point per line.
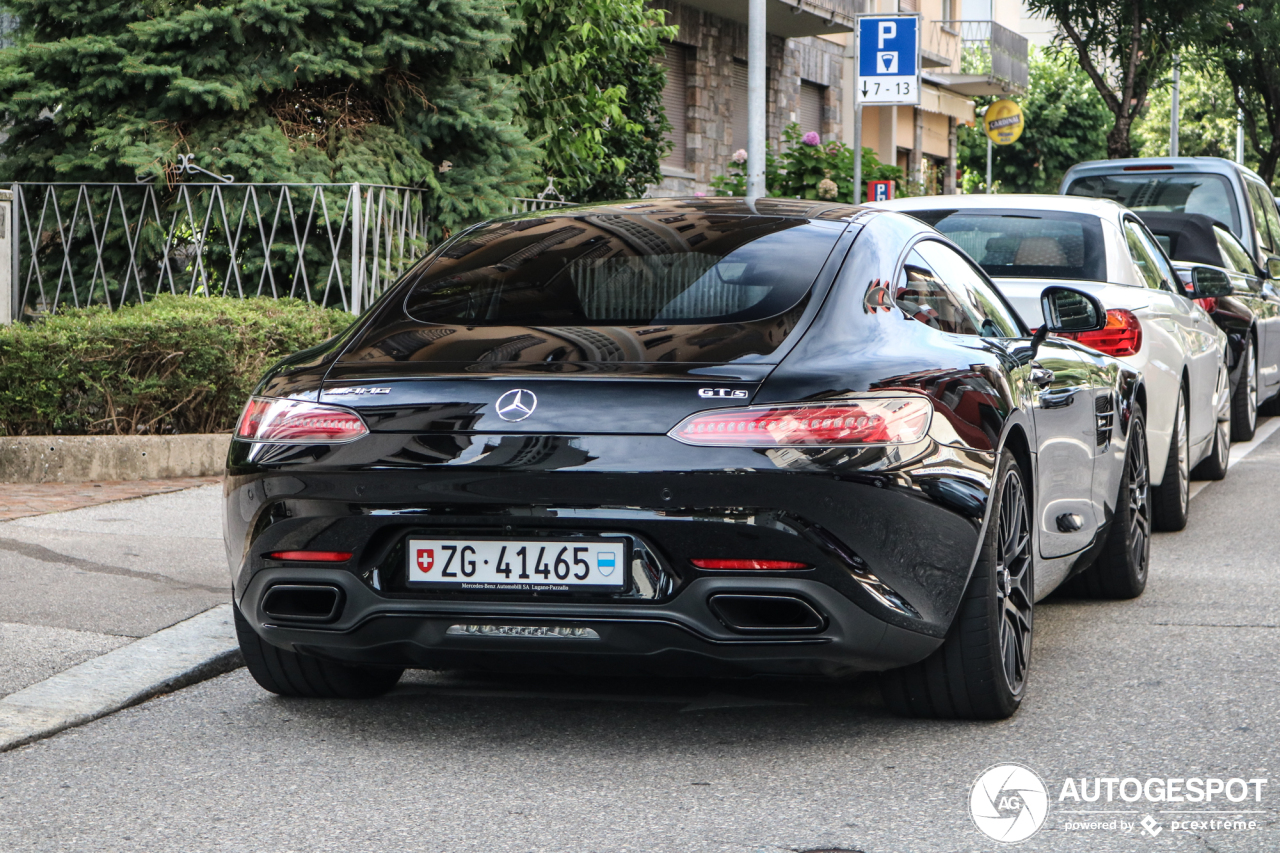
x=1239, y=450
x=199, y=648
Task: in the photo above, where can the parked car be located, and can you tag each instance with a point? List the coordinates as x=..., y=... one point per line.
x=687, y=436
x=1026, y=242
x=1250, y=315
x=1220, y=189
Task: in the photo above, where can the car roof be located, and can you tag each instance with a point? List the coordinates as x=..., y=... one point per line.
x=729, y=206
x=1191, y=236
x=1219, y=165
x=1103, y=207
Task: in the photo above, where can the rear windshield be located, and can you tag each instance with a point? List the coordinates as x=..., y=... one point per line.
x=623, y=270
x=1026, y=244
x=1168, y=192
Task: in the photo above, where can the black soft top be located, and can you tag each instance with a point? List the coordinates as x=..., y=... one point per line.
x=1191, y=237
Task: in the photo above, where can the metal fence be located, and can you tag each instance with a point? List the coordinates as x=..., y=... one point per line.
x=111, y=244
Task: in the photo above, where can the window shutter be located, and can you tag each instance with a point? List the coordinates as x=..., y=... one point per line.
x=810, y=113
x=740, y=125
x=675, y=101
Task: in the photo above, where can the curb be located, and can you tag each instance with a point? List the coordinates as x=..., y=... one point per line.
x=194, y=650
x=80, y=458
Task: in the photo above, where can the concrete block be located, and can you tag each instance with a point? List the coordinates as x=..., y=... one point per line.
x=82, y=458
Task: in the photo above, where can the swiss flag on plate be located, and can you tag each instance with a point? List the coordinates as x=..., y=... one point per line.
x=426, y=559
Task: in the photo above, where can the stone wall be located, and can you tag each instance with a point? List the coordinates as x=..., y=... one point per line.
x=714, y=43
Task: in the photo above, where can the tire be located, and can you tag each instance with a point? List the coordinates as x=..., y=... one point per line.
x=291, y=674
x=1121, y=569
x=1244, y=402
x=980, y=671
x=1214, y=466
x=1170, y=499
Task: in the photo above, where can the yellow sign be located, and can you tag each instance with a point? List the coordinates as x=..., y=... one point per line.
x=1003, y=122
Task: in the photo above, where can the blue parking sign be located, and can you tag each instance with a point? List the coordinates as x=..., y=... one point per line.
x=888, y=54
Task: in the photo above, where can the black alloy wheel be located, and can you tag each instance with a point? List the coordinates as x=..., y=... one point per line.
x=1170, y=499
x=980, y=671
x=1244, y=402
x=291, y=674
x=1121, y=569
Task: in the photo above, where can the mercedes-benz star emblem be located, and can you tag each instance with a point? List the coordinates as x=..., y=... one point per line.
x=516, y=405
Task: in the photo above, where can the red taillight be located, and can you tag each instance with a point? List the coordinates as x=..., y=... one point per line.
x=765, y=565
x=875, y=420
x=297, y=422
x=1121, y=336
x=312, y=556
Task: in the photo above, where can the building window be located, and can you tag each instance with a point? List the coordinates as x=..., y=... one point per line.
x=675, y=101
x=810, y=113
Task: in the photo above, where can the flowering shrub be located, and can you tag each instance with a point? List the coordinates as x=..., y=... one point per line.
x=808, y=168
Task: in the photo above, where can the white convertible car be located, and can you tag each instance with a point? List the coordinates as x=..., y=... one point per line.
x=1025, y=242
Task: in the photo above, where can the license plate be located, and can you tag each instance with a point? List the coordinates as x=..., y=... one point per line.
x=513, y=565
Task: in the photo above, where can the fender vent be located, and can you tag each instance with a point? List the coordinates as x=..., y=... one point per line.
x=1104, y=406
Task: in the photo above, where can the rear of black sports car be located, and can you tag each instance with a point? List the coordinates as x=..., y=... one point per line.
x=614, y=439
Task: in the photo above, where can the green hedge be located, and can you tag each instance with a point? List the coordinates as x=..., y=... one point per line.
x=175, y=365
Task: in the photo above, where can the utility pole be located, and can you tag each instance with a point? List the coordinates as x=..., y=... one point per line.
x=757, y=58
x=1240, y=137
x=1173, y=109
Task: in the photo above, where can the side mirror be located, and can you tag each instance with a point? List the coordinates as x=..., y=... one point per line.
x=1071, y=311
x=1273, y=267
x=1209, y=282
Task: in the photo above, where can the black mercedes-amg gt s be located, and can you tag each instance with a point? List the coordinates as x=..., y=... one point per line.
x=686, y=437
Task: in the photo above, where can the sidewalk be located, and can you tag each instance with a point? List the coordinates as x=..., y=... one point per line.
x=133, y=559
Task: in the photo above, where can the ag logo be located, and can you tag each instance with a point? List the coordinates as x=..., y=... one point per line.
x=1008, y=803
x=426, y=559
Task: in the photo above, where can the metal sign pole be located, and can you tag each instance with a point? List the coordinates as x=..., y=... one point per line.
x=857, y=128
x=989, y=147
x=757, y=57
x=1173, y=110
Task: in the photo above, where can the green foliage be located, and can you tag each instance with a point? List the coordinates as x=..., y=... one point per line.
x=1243, y=42
x=1065, y=123
x=1125, y=47
x=394, y=92
x=591, y=93
x=175, y=365
x=820, y=171
x=1207, y=120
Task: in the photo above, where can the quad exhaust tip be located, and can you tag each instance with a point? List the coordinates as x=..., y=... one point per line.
x=751, y=613
x=303, y=602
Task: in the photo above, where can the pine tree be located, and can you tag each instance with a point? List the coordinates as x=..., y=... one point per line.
x=379, y=91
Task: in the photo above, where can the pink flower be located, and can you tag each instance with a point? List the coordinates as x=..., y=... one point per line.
x=1240, y=8
x=699, y=195
x=1230, y=27
x=739, y=156
x=811, y=138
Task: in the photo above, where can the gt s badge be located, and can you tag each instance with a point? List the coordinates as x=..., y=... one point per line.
x=722, y=393
x=426, y=559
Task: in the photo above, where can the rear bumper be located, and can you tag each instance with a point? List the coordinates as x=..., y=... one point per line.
x=890, y=537
x=683, y=637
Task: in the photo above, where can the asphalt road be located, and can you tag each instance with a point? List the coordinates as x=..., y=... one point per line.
x=1184, y=682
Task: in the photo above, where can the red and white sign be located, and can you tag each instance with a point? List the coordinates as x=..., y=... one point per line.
x=879, y=190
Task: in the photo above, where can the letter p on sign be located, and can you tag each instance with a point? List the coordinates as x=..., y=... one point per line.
x=888, y=30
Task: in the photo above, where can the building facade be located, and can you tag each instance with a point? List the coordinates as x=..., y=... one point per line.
x=810, y=82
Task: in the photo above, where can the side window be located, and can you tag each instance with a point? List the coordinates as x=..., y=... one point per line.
x=1143, y=257
x=1265, y=219
x=920, y=293
x=980, y=301
x=1234, y=257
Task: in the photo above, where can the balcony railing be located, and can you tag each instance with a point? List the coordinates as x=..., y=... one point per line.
x=985, y=50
